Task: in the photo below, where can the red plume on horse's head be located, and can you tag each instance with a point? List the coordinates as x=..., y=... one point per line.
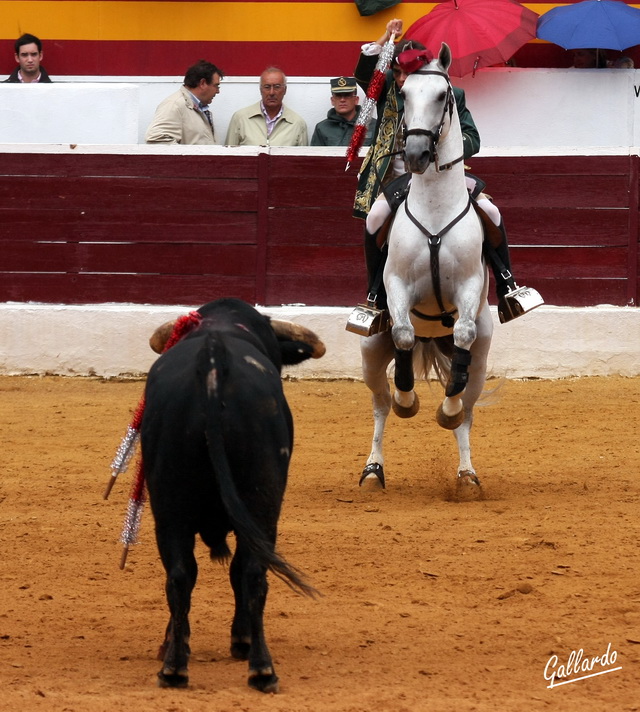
x=413, y=59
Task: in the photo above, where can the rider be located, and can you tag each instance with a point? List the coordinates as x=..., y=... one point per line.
x=383, y=181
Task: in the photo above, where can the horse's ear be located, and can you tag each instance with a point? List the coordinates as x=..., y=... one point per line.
x=445, y=56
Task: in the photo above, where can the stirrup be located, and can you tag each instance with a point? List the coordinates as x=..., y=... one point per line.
x=517, y=302
x=367, y=320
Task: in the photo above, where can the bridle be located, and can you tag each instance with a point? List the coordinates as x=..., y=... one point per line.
x=434, y=136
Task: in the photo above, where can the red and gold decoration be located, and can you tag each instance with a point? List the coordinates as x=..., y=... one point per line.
x=127, y=448
x=373, y=94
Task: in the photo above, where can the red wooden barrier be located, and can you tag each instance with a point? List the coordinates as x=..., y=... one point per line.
x=80, y=228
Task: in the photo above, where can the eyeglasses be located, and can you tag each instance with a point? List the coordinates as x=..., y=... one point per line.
x=275, y=87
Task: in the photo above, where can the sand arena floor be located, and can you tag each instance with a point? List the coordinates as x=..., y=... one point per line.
x=429, y=603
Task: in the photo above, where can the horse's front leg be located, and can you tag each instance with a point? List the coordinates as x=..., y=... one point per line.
x=405, y=401
x=451, y=412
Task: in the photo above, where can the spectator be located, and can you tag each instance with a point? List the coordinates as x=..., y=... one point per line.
x=28, y=54
x=337, y=128
x=623, y=63
x=269, y=122
x=184, y=116
x=589, y=59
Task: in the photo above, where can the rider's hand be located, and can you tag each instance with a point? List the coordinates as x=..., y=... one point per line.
x=393, y=26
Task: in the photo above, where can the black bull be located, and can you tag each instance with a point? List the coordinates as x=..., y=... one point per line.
x=217, y=436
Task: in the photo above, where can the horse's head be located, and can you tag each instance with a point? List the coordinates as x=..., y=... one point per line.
x=428, y=107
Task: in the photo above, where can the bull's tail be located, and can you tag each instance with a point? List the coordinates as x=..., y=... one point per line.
x=213, y=358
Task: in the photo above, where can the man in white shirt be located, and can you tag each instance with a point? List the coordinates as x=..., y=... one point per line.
x=269, y=122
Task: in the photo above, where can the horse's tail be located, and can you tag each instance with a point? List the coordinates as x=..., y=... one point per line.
x=433, y=357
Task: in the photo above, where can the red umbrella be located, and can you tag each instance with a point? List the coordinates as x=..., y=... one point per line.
x=480, y=33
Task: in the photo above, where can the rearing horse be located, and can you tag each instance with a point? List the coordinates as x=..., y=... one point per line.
x=435, y=277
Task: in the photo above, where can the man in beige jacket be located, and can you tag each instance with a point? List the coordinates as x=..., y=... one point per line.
x=269, y=122
x=184, y=117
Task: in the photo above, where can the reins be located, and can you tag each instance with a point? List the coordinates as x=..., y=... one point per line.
x=435, y=135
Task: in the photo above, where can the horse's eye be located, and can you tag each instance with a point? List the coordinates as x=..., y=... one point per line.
x=402, y=93
x=442, y=96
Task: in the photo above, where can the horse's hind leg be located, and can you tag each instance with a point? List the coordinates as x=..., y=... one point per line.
x=470, y=395
x=377, y=352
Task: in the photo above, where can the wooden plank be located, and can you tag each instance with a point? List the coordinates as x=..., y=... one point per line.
x=311, y=260
x=562, y=191
x=140, y=258
x=119, y=193
x=579, y=292
x=569, y=263
x=566, y=226
x=313, y=289
x=138, y=223
x=324, y=191
x=310, y=166
x=138, y=289
x=313, y=225
x=583, y=167
x=633, y=285
x=139, y=166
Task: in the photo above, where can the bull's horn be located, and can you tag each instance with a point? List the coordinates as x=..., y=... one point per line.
x=160, y=337
x=296, y=332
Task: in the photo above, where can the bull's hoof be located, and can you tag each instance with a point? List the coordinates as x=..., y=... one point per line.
x=174, y=679
x=373, y=472
x=240, y=649
x=263, y=680
x=449, y=422
x=409, y=412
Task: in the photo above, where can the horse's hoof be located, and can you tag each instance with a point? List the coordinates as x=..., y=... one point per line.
x=175, y=679
x=468, y=477
x=373, y=472
x=449, y=422
x=409, y=412
x=468, y=487
x=263, y=680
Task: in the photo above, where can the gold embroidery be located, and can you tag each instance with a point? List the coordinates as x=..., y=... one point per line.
x=368, y=185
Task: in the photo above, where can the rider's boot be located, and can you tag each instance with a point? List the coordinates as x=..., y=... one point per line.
x=375, y=259
x=372, y=317
x=513, y=301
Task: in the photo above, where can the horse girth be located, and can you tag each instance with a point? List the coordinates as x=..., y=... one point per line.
x=435, y=240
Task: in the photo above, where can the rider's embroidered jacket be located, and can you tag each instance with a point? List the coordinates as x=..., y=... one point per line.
x=390, y=112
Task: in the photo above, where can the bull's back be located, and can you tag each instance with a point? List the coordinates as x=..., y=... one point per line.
x=215, y=409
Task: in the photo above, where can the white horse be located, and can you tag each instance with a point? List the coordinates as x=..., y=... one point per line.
x=435, y=277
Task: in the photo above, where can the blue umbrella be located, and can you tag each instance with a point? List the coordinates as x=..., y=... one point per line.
x=603, y=24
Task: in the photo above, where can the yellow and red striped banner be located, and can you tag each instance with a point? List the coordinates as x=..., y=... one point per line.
x=138, y=37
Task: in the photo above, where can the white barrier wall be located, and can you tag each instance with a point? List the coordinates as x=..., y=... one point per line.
x=525, y=108
x=69, y=113
x=112, y=340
